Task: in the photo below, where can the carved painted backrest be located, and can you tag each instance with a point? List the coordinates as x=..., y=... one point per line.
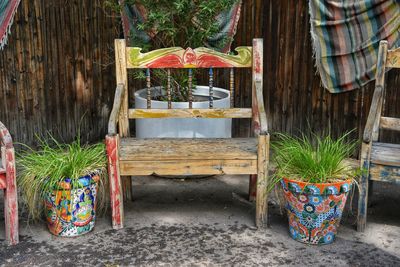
x=177, y=57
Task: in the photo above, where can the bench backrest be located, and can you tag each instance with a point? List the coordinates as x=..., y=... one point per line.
x=375, y=122
x=179, y=58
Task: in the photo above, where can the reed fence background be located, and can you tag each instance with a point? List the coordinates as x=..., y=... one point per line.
x=57, y=72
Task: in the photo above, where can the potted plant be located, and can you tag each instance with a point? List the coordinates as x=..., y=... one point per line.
x=186, y=23
x=64, y=182
x=316, y=181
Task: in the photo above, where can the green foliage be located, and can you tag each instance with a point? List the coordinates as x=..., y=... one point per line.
x=316, y=160
x=184, y=23
x=41, y=171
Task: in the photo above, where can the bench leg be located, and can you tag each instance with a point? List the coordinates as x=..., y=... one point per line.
x=127, y=188
x=117, y=208
x=10, y=200
x=363, y=190
x=252, y=187
x=262, y=181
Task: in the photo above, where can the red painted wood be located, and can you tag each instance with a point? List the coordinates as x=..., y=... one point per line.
x=190, y=60
x=2, y=180
x=257, y=75
x=252, y=187
x=115, y=181
x=10, y=199
x=8, y=183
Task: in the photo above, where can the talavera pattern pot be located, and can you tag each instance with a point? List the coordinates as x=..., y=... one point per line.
x=71, y=210
x=315, y=210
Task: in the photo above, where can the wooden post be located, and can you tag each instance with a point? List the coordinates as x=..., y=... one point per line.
x=380, y=81
x=117, y=208
x=10, y=188
x=190, y=81
x=262, y=181
x=257, y=77
x=211, y=87
x=10, y=197
x=363, y=187
x=252, y=187
x=371, y=133
x=122, y=77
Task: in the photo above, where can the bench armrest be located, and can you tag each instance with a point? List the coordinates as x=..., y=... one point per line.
x=263, y=123
x=372, y=124
x=5, y=137
x=112, y=122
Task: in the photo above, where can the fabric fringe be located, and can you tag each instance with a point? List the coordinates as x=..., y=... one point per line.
x=8, y=23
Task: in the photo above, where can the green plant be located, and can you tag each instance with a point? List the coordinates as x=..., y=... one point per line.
x=168, y=23
x=319, y=159
x=41, y=171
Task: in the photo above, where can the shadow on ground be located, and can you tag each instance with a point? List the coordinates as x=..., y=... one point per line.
x=207, y=222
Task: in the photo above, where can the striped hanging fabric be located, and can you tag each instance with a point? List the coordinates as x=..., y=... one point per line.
x=346, y=37
x=8, y=8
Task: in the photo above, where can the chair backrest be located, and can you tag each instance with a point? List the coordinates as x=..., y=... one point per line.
x=375, y=122
x=179, y=58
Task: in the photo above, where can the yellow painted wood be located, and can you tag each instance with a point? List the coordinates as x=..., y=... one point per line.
x=122, y=78
x=190, y=113
x=187, y=149
x=262, y=181
x=174, y=57
x=393, y=59
x=189, y=167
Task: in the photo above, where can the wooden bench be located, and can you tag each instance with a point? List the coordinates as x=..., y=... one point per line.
x=380, y=161
x=9, y=185
x=129, y=156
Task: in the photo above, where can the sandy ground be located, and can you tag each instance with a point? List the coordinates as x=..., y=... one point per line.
x=206, y=222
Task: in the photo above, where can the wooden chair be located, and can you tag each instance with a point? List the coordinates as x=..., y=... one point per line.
x=380, y=161
x=9, y=185
x=130, y=156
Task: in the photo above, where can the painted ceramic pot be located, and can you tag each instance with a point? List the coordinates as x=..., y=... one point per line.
x=315, y=210
x=71, y=210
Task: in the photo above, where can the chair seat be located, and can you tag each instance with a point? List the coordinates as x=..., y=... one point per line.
x=385, y=154
x=169, y=156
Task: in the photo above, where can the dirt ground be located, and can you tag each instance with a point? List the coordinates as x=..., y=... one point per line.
x=208, y=222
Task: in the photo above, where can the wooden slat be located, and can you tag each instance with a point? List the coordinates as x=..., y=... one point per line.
x=257, y=76
x=190, y=113
x=374, y=114
x=2, y=179
x=177, y=57
x=393, y=59
x=384, y=173
x=132, y=149
x=262, y=181
x=385, y=154
x=390, y=123
x=117, y=208
x=189, y=167
x=371, y=131
x=112, y=122
x=122, y=78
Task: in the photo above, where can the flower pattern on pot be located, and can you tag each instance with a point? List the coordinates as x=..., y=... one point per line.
x=315, y=217
x=71, y=212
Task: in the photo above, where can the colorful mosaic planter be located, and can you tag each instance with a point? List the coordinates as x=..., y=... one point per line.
x=315, y=210
x=72, y=211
